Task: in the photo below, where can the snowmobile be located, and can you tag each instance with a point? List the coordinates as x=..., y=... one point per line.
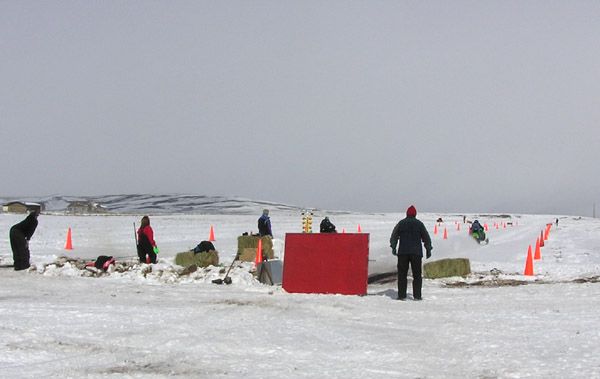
x=479, y=236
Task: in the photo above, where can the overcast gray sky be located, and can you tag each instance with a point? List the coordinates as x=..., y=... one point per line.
x=454, y=106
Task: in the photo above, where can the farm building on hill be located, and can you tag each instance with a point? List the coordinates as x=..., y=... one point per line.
x=21, y=207
x=85, y=207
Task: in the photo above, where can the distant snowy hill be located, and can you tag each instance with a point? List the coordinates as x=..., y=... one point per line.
x=166, y=203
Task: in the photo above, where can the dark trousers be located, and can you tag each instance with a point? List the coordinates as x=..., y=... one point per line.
x=415, y=265
x=146, y=256
x=145, y=249
x=20, y=249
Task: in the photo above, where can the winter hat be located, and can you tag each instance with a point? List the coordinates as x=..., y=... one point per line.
x=265, y=212
x=411, y=211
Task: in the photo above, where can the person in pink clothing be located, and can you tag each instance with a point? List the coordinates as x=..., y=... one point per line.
x=146, y=246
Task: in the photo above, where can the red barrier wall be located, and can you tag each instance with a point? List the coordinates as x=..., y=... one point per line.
x=326, y=263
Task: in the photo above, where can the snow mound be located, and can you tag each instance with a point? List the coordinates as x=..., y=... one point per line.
x=163, y=272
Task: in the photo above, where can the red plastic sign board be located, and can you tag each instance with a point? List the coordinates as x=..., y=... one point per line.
x=336, y=263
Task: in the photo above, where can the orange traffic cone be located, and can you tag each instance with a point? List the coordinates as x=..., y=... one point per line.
x=485, y=226
x=211, y=234
x=547, y=232
x=538, y=252
x=542, y=238
x=529, y=264
x=69, y=244
x=358, y=230
x=445, y=234
x=259, y=257
x=435, y=230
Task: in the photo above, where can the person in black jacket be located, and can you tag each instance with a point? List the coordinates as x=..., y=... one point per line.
x=20, y=234
x=327, y=226
x=412, y=234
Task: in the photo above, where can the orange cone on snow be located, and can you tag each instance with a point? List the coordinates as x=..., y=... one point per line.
x=445, y=234
x=69, y=244
x=529, y=264
x=358, y=230
x=485, y=226
x=211, y=234
x=259, y=257
x=538, y=252
x=541, y=238
x=435, y=229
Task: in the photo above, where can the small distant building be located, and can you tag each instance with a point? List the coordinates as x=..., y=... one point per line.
x=21, y=207
x=85, y=207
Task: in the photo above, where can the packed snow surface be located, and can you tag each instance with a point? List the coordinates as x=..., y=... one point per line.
x=152, y=322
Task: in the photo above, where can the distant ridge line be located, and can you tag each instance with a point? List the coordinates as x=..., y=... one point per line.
x=162, y=204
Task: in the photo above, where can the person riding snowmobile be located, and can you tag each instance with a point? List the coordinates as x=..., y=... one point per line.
x=476, y=231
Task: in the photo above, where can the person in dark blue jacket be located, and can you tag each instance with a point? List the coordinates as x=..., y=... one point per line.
x=412, y=235
x=264, y=224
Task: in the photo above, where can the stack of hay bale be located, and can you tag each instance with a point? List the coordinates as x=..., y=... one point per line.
x=445, y=268
x=203, y=259
x=247, y=245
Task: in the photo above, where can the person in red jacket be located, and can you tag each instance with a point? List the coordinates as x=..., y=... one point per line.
x=146, y=246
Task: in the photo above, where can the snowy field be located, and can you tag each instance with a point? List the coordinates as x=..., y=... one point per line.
x=154, y=324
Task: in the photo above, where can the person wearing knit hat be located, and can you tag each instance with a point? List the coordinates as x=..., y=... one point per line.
x=264, y=224
x=411, y=235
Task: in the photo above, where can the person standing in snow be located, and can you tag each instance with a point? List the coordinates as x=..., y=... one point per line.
x=411, y=233
x=146, y=247
x=20, y=234
x=264, y=224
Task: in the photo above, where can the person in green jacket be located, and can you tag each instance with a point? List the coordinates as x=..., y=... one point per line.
x=411, y=235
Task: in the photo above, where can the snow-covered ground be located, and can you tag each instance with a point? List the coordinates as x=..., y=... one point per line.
x=152, y=324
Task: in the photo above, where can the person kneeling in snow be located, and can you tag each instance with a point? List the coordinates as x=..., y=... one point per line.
x=204, y=247
x=146, y=247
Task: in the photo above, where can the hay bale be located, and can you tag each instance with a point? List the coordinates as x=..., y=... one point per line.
x=248, y=254
x=246, y=244
x=205, y=259
x=444, y=268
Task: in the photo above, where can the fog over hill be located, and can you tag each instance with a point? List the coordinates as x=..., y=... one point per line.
x=163, y=203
